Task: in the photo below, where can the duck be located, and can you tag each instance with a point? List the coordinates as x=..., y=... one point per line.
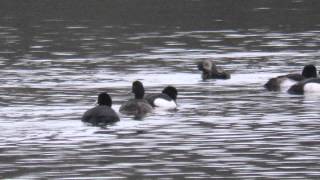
x=102, y=113
x=137, y=106
x=284, y=82
x=210, y=71
x=166, y=99
x=307, y=86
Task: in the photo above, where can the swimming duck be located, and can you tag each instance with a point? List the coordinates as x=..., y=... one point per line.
x=137, y=106
x=284, y=82
x=210, y=71
x=102, y=113
x=311, y=85
x=166, y=99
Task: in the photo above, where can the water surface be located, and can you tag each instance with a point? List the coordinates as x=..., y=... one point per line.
x=55, y=61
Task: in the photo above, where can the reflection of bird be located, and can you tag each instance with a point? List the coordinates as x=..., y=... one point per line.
x=210, y=71
x=166, y=99
x=284, y=82
x=137, y=106
x=103, y=113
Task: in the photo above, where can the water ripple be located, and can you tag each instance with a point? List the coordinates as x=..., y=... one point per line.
x=221, y=129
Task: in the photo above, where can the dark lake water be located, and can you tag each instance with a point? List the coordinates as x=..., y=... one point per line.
x=56, y=56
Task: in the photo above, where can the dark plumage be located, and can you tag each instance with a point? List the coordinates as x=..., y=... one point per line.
x=210, y=71
x=137, y=106
x=276, y=84
x=166, y=99
x=103, y=113
x=309, y=85
x=171, y=91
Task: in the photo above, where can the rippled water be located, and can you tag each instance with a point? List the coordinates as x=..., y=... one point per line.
x=52, y=69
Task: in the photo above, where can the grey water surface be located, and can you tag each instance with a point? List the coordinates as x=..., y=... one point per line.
x=56, y=56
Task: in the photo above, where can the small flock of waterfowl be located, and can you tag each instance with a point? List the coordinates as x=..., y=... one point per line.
x=138, y=106
x=142, y=104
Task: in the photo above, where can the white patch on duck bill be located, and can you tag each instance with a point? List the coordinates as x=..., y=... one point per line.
x=311, y=88
x=286, y=84
x=163, y=103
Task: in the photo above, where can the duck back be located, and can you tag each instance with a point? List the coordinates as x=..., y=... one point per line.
x=100, y=114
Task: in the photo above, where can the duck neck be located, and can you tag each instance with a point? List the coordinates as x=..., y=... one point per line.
x=139, y=95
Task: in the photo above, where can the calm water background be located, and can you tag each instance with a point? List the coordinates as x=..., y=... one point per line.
x=56, y=56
